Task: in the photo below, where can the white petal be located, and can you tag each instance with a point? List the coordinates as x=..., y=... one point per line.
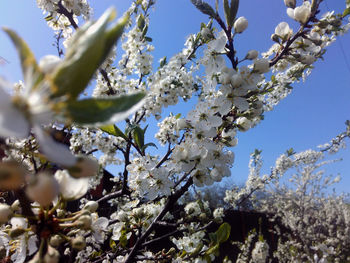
x=13, y=123
x=71, y=188
x=290, y=12
x=54, y=151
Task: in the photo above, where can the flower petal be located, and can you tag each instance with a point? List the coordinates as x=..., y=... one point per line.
x=54, y=151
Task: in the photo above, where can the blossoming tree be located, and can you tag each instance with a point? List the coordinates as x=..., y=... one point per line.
x=60, y=203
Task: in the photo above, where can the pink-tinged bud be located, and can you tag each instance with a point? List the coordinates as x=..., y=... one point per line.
x=261, y=65
x=42, y=188
x=5, y=213
x=240, y=24
x=290, y=3
x=252, y=54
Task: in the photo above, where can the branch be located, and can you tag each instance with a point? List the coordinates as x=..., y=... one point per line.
x=171, y=201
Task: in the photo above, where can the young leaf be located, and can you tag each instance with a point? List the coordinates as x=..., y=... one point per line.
x=204, y=7
x=139, y=136
x=148, y=145
x=223, y=232
x=234, y=10
x=89, y=47
x=30, y=68
x=113, y=130
x=101, y=111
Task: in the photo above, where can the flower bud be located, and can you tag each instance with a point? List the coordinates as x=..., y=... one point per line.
x=252, y=54
x=302, y=13
x=11, y=175
x=240, y=24
x=42, y=188
x=78, y=243
x=91, y=206
x=5, y=213
x=283, y=30
x=56, y=240
x=290, y=3
x=85, y=221
x=261, y=65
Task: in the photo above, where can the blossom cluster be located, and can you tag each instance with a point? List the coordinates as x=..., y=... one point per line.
x=58, y=143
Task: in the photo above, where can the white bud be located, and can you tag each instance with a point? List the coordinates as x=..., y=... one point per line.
x=302, y=13
x=5, y=213
x=56, y=240
x=261, y=65
x=244, y=123
x=91, y=206
x=78, y=243
x=42, y=188
x=283, y=30
x=240, y=24
x=252, y=54
x=290, y=3
x=85, y=221
x=48, y=63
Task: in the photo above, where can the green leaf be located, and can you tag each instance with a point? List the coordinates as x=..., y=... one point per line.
x=148, y=39
x=346, y=12
x=30, y=69
x=148, y=145
x=141, y=22
x=104, y=110
x=227, y=11
x=139, y=136
x=113, y=130
x=90, y=46
x=223, y=232
x=163, y=62
x=234, y=10
x=204, y=7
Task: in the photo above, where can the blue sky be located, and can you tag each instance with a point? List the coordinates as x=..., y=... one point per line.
x=312, y=115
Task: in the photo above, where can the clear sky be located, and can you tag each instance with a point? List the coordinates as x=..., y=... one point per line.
x=312, y=115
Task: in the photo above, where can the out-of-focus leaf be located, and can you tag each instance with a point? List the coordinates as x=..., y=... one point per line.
x=89, y=47
x=104, y=110
x=30, y=69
